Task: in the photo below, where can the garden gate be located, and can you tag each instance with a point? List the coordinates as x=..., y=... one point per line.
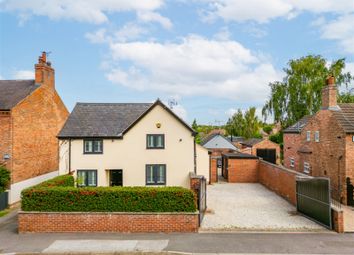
x=313, y=199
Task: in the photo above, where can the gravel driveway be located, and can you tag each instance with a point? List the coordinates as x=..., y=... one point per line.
x=245, y=206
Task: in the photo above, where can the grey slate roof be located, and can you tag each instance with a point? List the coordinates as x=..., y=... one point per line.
x=108, y=120
x=345, y=117
x=252, y=141
x=298, y=126
x=102, y=119
x=240, y=155
x=14, y=91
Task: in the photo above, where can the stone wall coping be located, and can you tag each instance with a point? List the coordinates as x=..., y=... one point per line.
x=194, y=176
x=286, y=169
x=114, y=213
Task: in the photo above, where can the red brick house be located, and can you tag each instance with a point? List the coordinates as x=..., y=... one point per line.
x=31, y=115
x=323, y=144
x=263, y=148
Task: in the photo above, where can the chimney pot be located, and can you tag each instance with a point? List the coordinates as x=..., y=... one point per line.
x=331, y=80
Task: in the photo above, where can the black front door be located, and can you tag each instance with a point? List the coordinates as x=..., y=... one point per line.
x=116, y=177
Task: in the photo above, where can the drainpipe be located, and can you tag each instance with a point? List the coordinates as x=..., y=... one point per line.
x=195, y=156
x=339, y=184
x=69, y=156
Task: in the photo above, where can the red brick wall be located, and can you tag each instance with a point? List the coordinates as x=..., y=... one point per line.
x=36, y=122
x=266, y=144
x=242, y=170
x=349, y=157
x=5, y=138
x=215, y=154
x=338, y=221
x=107, y=222
x=278, y=179
x=325, y=155
x=292, y=143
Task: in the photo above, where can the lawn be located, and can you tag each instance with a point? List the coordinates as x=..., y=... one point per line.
x=4, y=212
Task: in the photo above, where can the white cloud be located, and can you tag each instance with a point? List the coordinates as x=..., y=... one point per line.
x=23, y=75
x=349, y=67
x=99, y=36
x=223, y=34
x=155, y=17
x=193, y=66
x=91, y=11
x=263, y=11
x=341, y=30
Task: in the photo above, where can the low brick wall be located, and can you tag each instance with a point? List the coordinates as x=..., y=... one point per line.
x=242, y=171
x=338, y=221
x=279, y=179
x=46, y=222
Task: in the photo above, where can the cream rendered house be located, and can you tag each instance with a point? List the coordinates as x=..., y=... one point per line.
x=129, y=145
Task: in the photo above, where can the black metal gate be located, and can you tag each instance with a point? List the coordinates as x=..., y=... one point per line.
x=313, y=199
x=267, y=155
x=350, y=192
x=202, y=202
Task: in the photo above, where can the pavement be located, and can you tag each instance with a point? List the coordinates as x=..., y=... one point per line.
x=236, y=206
x=216, y=243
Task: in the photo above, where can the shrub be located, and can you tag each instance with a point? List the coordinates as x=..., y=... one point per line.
x=4, y=178
x=66, y=198
x=59, y=181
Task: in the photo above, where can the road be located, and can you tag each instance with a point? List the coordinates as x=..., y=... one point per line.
x=256, y=243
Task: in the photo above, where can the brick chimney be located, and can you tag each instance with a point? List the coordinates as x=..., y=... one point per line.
x=44, y=73
x=329, y=94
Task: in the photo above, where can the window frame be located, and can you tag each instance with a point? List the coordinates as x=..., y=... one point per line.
x=308, y=136
x=155, y=148
x=86, y=181
x=307, y=166
x=292, y=162
x=317, y=136
x=155, y=183
x=93, y=140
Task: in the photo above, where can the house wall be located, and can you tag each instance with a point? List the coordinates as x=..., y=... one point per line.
x=203, y=161
x=5, y=138
x=267, y=144
x=349, y=157
x=130, y=153
x=292, y=143
x=36, y=123
x=325, y=156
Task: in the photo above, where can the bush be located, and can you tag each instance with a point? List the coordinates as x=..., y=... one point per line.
x=66, y=198
x=59, y=181
x=4, y=178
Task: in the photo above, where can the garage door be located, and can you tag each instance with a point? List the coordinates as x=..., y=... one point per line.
x=267, y=155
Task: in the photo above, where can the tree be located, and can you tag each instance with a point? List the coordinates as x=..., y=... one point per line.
x=246, y=125
x=4, y=178
x=299, y=93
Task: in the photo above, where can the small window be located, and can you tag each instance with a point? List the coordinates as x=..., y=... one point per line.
x=308, y=136
x=93, y=146
x=353, y=138
x=155, y=174
x=86, y=178
x=155, y=141
x=317, y=136
x=292, y=162
x=306, y=168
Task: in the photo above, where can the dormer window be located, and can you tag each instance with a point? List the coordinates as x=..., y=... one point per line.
x=156, y=141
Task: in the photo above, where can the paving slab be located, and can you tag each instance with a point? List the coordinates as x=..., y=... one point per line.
x=105, y=246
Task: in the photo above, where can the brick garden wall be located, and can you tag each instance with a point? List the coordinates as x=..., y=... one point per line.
x=243, y=171
x=48, y=222
x=279, y=179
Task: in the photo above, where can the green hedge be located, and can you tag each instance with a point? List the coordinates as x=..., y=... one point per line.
x=4, y=178
x=50, y=198
x=59, y=181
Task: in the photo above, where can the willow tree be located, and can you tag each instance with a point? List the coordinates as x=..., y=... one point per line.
x=246, y=125
x=299, y=93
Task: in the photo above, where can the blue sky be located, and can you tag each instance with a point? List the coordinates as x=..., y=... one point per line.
x=212, y=57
